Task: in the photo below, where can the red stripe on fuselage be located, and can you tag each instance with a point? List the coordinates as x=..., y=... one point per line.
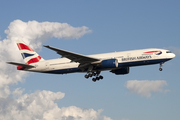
x=152, y=51
x=22, y=46
x=34, y=60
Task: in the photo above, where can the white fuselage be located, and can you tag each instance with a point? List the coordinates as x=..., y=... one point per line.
x=125, y=59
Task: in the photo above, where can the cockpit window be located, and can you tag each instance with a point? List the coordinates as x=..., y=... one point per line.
x=168, y=52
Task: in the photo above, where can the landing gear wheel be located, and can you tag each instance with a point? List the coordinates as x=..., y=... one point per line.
x=160, y=69
x=96, y=74
x=93, y=74
x=90, y=75
x=94, y=79
x=100, y=77
x=86, y=76
x=97, y=78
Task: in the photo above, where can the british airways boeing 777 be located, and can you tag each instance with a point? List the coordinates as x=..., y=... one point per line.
x=116, y=62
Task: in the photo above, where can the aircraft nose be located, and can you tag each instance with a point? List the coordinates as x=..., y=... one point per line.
x=173, y=55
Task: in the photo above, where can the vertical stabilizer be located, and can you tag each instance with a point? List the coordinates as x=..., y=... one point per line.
x=28, y=54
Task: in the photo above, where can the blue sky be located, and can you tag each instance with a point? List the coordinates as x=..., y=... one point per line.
x=115, y=26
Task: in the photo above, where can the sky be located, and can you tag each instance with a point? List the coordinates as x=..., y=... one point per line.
x=90, y=27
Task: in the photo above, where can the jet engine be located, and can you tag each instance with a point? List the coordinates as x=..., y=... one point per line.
x=121, y=71
x=110, y=63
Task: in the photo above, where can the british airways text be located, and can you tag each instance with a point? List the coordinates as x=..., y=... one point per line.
x=136, y=58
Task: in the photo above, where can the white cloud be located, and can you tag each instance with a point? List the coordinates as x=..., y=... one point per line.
x=17, y=92
x=41, y=105
x=33, y=33
x=145, y=87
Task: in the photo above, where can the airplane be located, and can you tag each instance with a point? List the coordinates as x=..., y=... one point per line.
x=118, y=63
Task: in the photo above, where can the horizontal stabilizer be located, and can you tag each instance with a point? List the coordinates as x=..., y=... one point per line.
x=20, y=64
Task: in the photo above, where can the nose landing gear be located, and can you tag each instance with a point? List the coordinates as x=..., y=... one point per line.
x=161, y=64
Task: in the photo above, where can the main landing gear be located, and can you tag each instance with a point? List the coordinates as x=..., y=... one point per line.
x=97, y=78
x=161, y=64
x=94, y=74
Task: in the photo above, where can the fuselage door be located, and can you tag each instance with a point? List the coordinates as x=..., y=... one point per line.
x=46, y=65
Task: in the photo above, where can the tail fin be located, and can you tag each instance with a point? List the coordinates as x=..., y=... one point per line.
x=28, y=54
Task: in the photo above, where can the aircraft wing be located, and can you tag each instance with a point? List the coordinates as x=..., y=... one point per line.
x=20, y=64
x=73, y=56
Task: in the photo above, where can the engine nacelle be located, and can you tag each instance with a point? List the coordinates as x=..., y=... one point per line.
x=110, y=63
x=121, y=71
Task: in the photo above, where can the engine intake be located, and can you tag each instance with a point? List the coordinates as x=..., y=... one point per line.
x=121, y=71
x=110, y=63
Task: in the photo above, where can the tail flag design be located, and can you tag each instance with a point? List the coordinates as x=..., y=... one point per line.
x=28, y=54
